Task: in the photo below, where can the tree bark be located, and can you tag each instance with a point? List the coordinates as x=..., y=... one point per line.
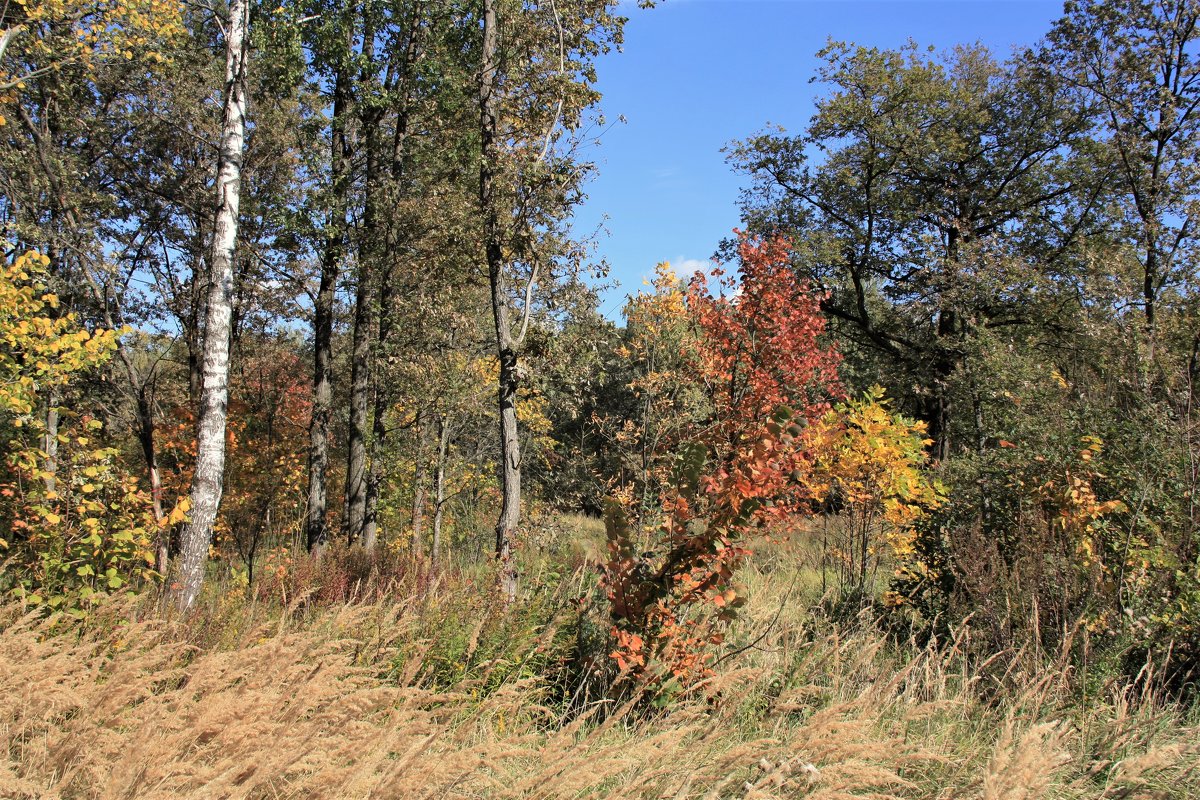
x=356, y=457
x=418, y=504
x=50, y=441
x=379, y=421
x=316, y=527
x=145, y=419
x=316, y=532
x=439, y=491
x=194, y=334
x=207, y=481
x=510, y=447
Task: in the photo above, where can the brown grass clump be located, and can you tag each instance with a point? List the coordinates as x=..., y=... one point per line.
x=432, y=695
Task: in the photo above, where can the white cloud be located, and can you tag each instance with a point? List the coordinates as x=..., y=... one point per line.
x=689, y=266
x=683, y=267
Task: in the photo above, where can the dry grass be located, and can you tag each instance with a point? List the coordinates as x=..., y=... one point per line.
x=343, y=703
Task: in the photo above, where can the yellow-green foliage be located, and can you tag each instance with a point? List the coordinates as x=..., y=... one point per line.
x=38, y=349
x=870, y=460
x=75, y=526
x=54, y=35
x=91, y=536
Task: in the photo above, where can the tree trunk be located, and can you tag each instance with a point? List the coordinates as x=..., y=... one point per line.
x=214, y=393
x=355, y=518
x=1150, y=286
x=53, y=402
x=1150, y=296
x=419, y=471
x=384, y=249
x=510, y=447
x=316, y=527
x=941, y=405
x=142, y=388
x=145, y=419
x=50, y=441
x=198, y=309
x=316, y=532
x=370, y=524
x=379, y=422
x=356, y=457
x=439, y=490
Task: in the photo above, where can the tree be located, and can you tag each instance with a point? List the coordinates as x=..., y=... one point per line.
x=510, y=445
x=1135, y=64
x=534, y=86
x=942, y=202
x=208, y=478
x=73, y=83
x=761, y=360
x=405, y=189
x=645, y=419
x=70, y=543
x=868, y=463
x=332, y=253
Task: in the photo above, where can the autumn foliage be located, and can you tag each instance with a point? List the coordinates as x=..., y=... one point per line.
x=869, y=463
x=757, y=353
x=75, y=526
x=266, y=436
x=763, y=344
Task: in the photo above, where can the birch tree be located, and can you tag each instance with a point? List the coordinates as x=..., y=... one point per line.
x=208, y=478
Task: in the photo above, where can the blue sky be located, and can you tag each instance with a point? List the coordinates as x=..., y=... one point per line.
x=696, y=74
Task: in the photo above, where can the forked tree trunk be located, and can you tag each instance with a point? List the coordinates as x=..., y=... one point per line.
x=208, y=479
x=510, y=446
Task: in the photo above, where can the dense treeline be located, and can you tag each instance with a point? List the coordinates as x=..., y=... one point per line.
x=392, y=184
x=1010, y=248
x=286, y=278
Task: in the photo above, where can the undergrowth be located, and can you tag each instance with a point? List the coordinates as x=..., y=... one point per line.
x=423, y=686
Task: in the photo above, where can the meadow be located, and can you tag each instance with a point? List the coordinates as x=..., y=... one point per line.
x=406, y=686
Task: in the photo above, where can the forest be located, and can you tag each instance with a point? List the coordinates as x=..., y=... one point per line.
x=325, y=476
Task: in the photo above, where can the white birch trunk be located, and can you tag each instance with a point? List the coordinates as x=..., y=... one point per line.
x=208, y=479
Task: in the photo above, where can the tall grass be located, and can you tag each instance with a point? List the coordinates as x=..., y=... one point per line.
x=417, y=687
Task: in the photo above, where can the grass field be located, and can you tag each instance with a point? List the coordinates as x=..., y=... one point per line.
x=428, y=690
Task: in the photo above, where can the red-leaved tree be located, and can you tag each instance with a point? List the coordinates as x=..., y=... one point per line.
x=767, y=371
